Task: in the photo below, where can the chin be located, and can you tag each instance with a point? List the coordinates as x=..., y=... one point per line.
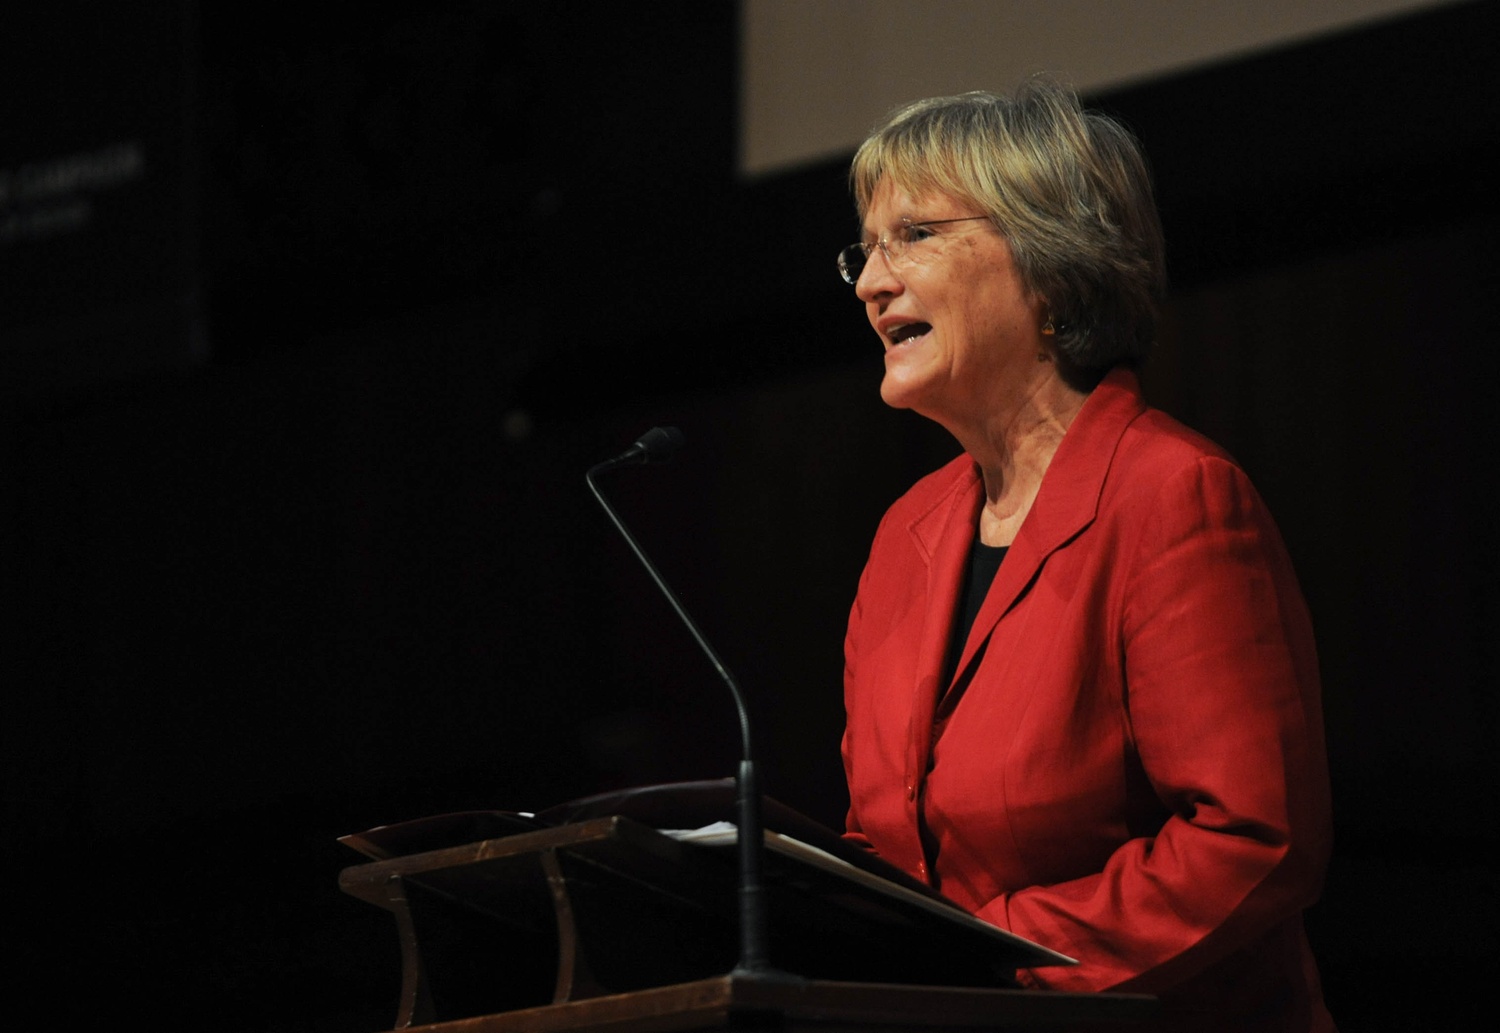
x=902, y=394
x=894, y=395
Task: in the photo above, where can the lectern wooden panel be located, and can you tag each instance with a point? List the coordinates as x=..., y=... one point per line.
x=607, y=921
x=815, y=1006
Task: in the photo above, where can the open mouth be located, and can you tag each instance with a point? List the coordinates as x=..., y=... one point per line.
x=905, y=334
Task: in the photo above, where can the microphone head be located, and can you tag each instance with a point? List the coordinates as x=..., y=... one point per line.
x=659, y=444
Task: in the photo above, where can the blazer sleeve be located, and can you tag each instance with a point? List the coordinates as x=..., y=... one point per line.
x=1221, y=705
x=853, y=832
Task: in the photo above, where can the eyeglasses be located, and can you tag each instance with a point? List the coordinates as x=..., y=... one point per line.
x=905, y=240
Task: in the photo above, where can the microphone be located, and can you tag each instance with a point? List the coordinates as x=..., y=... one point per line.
x=658, y=445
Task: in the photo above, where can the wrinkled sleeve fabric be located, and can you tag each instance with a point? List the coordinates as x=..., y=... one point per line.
x=1221, y=706
x=853, y=832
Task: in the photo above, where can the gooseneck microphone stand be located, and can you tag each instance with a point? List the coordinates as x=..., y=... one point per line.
x=658, y=445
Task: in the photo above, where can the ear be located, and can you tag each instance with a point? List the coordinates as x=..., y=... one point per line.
x=1042, y=309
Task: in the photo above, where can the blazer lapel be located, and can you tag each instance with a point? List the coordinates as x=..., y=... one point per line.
x=942, y=537
x=1065, y=505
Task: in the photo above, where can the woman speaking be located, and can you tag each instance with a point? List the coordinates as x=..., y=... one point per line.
x=1080, y=679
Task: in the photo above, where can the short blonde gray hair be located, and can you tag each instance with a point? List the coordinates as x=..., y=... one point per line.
x=1071, y=193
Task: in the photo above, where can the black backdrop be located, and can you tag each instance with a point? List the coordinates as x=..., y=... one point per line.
x=295, y=539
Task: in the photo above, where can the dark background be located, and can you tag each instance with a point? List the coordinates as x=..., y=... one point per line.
x=295, y=536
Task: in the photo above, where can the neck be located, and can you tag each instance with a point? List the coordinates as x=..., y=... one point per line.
x=1013, y=444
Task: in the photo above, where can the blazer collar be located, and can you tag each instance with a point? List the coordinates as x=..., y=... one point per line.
x=1066, y=504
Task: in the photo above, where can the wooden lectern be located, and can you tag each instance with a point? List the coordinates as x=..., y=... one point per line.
x=609, y=924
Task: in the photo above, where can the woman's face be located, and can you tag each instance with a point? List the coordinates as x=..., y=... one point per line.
x=960, y=331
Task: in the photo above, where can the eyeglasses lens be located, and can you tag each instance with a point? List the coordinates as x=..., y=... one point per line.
x=852, y=262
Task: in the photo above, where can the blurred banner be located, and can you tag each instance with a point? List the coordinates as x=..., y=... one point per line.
x=98, y=199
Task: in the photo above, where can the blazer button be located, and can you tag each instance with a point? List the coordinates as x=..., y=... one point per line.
x=911, y=791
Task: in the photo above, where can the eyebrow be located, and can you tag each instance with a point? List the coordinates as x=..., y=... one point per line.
x=904, y=220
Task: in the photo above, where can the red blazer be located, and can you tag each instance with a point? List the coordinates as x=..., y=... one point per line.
x=1128, y=765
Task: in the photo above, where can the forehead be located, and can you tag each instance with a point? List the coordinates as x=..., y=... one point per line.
x=890, y=203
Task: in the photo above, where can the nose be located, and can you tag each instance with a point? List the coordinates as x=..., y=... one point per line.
x=877, y=278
